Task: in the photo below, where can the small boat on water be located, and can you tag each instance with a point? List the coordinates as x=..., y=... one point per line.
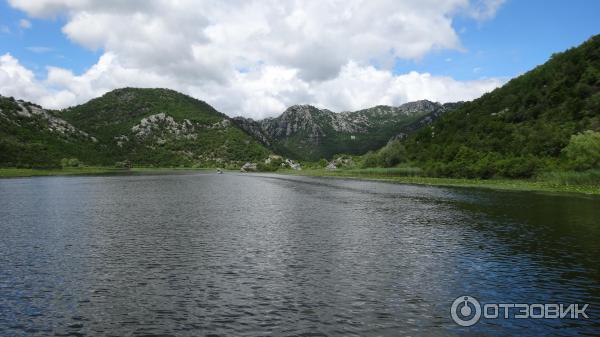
x=219, y=171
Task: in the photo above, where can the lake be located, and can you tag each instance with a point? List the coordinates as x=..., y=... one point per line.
x=202, y=254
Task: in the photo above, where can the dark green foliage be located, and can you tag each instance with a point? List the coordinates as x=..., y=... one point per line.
x=370, y=159
x=390, y=155
x=213, y=139
x=73, y=162
x=272, y=164
x=583, y=150
x=309, y=133
x=115, y=113
x=520, y=129
x=26, y=141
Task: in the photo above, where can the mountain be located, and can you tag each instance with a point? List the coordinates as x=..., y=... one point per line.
x=30, y=135
x=145, y=126
x=309, y=133
x=521, y=128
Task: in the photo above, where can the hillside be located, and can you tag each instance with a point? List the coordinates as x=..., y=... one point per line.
x=308, y=133
x=162, y=127
x=521, y=128
x=144, y=126
x=30, y=135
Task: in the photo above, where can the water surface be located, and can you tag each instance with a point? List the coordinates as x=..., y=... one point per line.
x=257, y=255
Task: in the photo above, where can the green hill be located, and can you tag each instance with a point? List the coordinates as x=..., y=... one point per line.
x=520, y=129
x=157, y=127
x=32, y=136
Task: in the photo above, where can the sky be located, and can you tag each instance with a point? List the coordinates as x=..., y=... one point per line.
x=255, y=58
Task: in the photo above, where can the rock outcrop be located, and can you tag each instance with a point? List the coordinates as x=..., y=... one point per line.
x=248, y=167
x=25, y=114
x=307, y=132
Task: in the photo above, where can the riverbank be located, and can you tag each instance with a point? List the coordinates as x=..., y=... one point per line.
x=499, y=184
x=363, y=174
x=91, y=170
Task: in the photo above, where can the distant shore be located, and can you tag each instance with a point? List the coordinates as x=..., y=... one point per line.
x=499, y=184
x=88, y=170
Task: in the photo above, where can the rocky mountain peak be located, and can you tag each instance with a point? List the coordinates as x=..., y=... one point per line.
x=306, y=131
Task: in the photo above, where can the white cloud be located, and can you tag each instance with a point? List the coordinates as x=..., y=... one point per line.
x=18, y=81
x=24, y=23
x=40, y=49
x=485, y=9
x=257, y=57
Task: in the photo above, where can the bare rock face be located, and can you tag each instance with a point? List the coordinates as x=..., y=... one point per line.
x=340, y=162
x=248, y=167
x=304, y=130
x=423, y=121
x=162, y=125
x=292, y=164
x=33, y=114
x=253, y=128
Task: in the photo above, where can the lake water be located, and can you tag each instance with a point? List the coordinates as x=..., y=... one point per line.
x=259, y=255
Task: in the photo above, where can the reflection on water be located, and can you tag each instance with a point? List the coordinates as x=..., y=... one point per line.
x=254, y=255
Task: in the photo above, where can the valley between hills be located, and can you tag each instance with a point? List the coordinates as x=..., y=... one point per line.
x=540, y=131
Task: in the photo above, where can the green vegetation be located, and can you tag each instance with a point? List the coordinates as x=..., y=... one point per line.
x=541, y=130
x=190, y=133
x=26, y=139
x=304, y=132
x=334, y=141
x=524, y=128
x=92, y=170
x=583, y=150
x=142, y=127
x=390, y=155
x=27, y=172
x=573, y=182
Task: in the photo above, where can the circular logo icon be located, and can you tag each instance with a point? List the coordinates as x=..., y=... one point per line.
x=465, y=311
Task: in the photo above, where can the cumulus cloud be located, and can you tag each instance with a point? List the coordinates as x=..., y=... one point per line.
x=18, y=81
x=257, y=57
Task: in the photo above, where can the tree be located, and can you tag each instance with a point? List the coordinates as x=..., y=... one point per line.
x=369, y=160
x=66, y=162
x=583, y=150
x=392, y=154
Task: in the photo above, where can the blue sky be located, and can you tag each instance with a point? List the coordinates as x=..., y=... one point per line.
x=333, y=72
x=43, y=33
x=522, y=35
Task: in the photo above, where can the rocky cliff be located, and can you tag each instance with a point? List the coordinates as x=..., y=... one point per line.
x=309, y=133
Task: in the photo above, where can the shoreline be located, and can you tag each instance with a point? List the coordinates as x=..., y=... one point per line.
x=497, y=184
x=7, y=173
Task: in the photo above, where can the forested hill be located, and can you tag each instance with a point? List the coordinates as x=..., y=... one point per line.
x=157, y=127
x=522, y=127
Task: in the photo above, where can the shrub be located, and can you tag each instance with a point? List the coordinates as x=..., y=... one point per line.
x=124, y=164
x=72, y=162
x=583, y=151
x=370, y=159
x=392, y=154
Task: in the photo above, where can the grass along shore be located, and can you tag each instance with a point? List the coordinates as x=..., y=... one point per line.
x=569, y=182
x=88, y=170
x=562, y=182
